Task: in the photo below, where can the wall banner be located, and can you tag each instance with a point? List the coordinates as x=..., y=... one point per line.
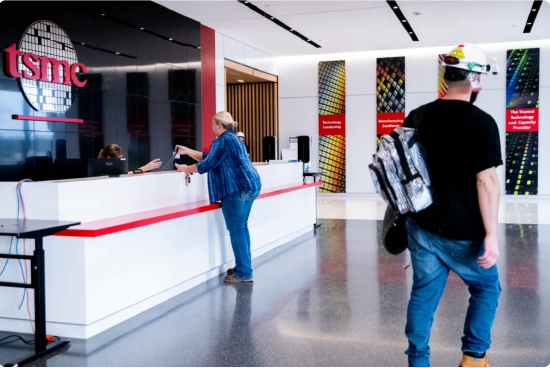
x=442, y=87
x=522, y=121
x=332, y=126
x=390, y=95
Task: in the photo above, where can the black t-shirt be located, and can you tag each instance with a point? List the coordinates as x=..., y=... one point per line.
x=460, y=141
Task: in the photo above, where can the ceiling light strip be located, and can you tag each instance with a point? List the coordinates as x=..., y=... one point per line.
x=404, y=22
x=533, y=12
x=278, y=22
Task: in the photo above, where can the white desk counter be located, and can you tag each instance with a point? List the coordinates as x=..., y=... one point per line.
x=143, y=239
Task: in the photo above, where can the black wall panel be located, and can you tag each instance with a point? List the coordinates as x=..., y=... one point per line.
x=145, y=99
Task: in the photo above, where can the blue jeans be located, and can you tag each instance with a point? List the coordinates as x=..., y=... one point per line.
x=236, y=209
x=432, y=256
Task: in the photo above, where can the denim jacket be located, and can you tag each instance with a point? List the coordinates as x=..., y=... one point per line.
x=229, y=168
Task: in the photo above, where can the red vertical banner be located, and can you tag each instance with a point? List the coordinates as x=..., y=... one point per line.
x=332, y=126
x=390, y=94
x=522, y=121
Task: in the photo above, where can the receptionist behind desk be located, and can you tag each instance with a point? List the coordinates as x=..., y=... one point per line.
x=235, y=181
x=114, y=151
x=241, y=137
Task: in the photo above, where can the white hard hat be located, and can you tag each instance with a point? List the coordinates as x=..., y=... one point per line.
x=240, y=134
x=471, y=58
x=468, y=57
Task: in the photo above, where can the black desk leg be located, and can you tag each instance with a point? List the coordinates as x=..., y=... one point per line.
x=41, y=345
x=39, y=297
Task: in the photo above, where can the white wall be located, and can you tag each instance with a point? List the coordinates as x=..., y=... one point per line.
x=298, y=102
x=230, y=49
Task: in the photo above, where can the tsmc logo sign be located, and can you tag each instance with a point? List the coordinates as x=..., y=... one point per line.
x=46, y=63
x=40, y=71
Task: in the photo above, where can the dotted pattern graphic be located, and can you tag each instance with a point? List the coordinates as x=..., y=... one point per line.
x=332, y=161
x=390, y=84
x=442, y=87
x=332, y=87
x=46, y=38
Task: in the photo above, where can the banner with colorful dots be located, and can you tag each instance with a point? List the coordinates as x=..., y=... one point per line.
x=442, y=87
x=390, y=95
x=332, y=126
x=522, y=121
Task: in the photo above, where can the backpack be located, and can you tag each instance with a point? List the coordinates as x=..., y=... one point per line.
x=401, y=177
x=399, y=172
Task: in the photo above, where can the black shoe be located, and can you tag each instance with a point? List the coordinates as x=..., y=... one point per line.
x=231, y=271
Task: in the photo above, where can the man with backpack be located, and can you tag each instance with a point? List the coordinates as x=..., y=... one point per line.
x=458, y=232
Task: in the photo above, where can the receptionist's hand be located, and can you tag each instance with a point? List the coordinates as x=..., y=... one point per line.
x=182, y=150
x=155, y=164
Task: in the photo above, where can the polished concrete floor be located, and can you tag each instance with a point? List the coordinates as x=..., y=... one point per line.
x=334, y=298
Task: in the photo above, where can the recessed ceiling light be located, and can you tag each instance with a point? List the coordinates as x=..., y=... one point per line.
x=246, y=2
x=240, y=80
x=529, y=23
x=83, y=43
x=142, y=28
x=102, y=15
x=169, y=39
x=272, y=18
x=395, y=7
x=308, y=40
x=404, y=21
x=534, y=9
x=118, y=53
x=199, y=47
x=291, y=30
x=410, y=33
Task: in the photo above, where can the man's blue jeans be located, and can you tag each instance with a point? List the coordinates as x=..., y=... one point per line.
x=432, y=256
x=236, y=209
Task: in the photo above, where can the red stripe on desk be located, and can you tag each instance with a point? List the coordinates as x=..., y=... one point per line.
x=127, y=222
x=273, y=191
x=45, y=118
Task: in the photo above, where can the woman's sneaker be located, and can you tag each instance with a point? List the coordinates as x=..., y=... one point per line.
x=233, y=278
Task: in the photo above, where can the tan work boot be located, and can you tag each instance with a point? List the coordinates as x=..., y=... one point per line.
x=468, y=361
x=233, y=278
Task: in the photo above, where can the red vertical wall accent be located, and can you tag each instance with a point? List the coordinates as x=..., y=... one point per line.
x=208, y=84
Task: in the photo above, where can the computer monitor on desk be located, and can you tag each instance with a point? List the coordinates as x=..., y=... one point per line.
x=107, y=166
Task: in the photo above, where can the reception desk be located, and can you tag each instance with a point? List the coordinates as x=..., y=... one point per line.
x=143, y=239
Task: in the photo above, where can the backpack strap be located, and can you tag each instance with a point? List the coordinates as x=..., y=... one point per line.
x=403, y=159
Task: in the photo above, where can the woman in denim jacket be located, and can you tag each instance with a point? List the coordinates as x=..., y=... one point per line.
x=235, y=181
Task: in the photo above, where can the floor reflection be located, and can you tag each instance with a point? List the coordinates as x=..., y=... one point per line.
x=237, y=348
x=333, y=299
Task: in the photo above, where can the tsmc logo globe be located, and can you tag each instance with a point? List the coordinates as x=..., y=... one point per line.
x=49, y=81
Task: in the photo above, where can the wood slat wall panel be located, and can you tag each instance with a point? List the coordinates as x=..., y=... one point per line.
x=254, y=107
